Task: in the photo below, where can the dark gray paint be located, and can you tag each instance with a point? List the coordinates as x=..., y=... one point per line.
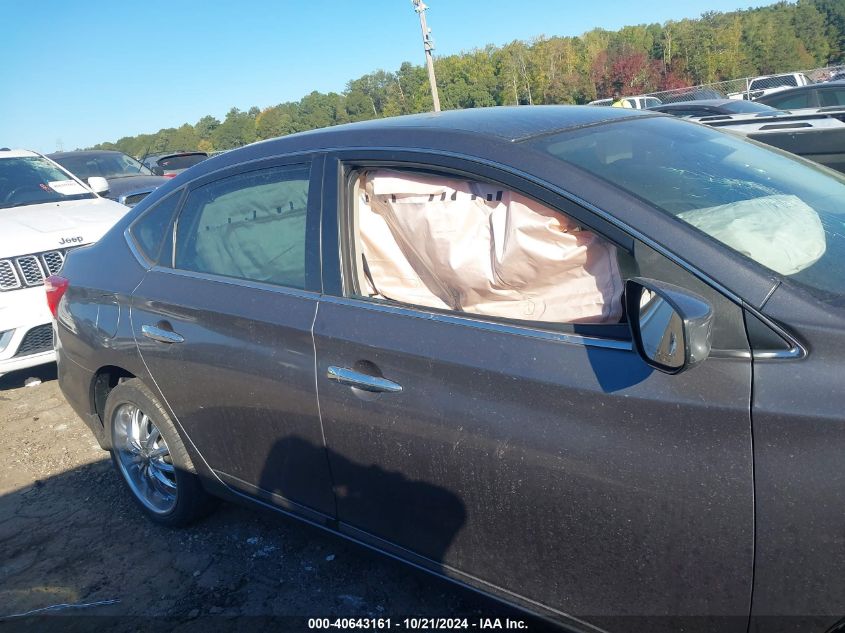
x=241, y=381
x=584, y=474
x=566, y=473
x=799, y=435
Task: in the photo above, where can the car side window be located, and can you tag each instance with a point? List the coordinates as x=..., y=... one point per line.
x=248, y=226
x=832, y=97
x=150, y=230
x=691, y=112
x=795, y=101
x=437, y=241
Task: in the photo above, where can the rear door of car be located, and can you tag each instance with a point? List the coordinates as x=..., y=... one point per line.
x=535, y=461
x=223, y=323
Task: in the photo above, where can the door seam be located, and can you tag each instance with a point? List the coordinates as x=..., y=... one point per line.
x=336, y=518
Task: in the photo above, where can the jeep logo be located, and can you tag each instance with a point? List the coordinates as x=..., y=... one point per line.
x=70, y=240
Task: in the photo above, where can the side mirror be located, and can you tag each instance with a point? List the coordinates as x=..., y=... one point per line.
x=671, y=327
x=98, y=184
x=158, y=171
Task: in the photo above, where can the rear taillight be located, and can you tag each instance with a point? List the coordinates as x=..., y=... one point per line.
x=55, y=287
x=170, y=175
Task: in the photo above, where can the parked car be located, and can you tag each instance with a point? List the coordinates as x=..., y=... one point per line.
x=709, y=107
x=817, y=134
x=413, y=332
x=771, y=84
x=129, y=180
x=170, y=164
x=828, y=94
x=44, y=213
x=690, y=94
x=639, y=102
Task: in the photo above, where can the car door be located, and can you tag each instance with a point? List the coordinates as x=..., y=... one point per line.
x=223, y=323
x=542, y=462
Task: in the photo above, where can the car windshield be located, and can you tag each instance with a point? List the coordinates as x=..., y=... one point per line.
x=35, y=180
x=738, y=106
x=182, y=161
x=777, y=209
x=774, y=82
x=85, y=166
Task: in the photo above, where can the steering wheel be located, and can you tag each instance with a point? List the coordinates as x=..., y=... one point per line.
x=23, y=188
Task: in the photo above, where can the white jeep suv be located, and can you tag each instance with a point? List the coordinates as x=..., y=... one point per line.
x=44, y=212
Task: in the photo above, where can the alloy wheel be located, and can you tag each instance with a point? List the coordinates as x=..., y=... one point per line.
x=144, y=458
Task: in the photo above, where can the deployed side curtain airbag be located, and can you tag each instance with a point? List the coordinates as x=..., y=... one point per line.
x=473, y=247
x=253, y=233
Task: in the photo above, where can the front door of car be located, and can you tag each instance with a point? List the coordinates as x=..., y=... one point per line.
x=537, y=460
x=224, y=326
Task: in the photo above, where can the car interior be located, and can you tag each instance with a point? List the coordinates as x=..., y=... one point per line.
x=475, y=247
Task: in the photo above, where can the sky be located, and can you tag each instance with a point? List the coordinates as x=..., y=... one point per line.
x=73, y=75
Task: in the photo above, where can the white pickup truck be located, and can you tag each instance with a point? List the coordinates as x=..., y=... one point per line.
x=44, y=212
x=767, y=84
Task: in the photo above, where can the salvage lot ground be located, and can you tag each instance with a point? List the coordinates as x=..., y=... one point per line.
x=70, y=534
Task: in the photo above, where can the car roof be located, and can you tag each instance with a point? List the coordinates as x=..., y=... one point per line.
x=17, y=153
x=84, y=152
x=827, y=85
x=479, y=131
x=512, y=123
x=176, y=153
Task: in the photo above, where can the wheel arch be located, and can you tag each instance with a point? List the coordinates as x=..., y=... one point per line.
x=105, y=379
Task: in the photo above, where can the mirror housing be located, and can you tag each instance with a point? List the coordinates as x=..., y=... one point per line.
x=671, y=327
x=98, y=184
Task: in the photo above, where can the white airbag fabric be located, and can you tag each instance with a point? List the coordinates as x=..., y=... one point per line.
x=473, y=247
x=779, y=231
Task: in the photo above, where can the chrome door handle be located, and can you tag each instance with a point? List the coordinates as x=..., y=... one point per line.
x=366, y=382
x=161, y=335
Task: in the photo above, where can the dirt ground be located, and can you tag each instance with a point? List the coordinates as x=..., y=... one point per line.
x=70, y=534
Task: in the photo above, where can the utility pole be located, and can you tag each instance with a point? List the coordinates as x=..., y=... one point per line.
x=428, y=45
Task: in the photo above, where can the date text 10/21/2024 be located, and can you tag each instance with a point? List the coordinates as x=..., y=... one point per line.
x=431, y=624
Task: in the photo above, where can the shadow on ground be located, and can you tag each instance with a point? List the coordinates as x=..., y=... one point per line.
x=77, y=537
x=16, y=379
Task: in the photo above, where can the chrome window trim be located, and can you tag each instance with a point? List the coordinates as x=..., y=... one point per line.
x=142, y=258
x=480, y=323
x=234, y=281
x=797, y=350
x=136, y=252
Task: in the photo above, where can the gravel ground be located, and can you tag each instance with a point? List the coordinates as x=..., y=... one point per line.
x=69, y=534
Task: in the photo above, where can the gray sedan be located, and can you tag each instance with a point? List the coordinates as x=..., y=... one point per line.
x=586, y=360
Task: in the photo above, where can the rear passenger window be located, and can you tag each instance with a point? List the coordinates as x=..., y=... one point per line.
x=478, y=248
x=832, y=97
x=150, y=230
x=795, y=101
x=249, y=226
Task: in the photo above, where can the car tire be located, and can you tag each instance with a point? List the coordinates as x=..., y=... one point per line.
x=151, y=458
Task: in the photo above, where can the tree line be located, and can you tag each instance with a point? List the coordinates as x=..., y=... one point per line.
x=546, y=70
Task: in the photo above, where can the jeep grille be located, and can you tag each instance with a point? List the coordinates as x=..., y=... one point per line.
x=29, y=270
